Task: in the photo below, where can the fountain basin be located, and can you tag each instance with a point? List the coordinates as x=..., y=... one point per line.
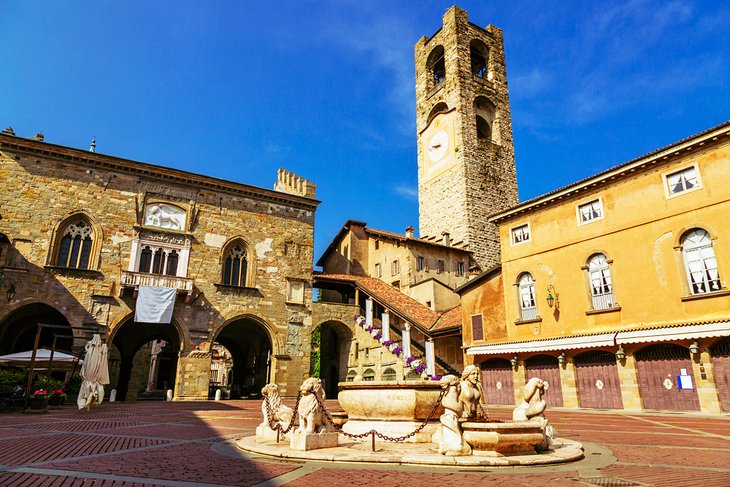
x=406, y=400
x=393, y=408
x=508, y=438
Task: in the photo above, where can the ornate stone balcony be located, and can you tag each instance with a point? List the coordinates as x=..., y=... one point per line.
x=136, y=279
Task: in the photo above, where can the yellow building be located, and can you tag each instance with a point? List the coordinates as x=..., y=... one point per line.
x=614, y=288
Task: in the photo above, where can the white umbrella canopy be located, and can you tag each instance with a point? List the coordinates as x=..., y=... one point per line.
x=61, y=361
x=95, y=372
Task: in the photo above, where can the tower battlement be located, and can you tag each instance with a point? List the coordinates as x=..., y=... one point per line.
x=288, y=182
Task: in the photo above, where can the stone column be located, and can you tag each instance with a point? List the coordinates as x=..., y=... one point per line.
x=385, y=318
x=430, y=358
x=629, y=383
x=368, y=313
x=704, y=377
x=406, y=340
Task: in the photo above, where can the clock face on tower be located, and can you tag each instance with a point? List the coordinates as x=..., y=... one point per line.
x=438, y=145
x=439, y=148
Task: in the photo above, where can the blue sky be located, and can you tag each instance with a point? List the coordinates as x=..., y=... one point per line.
x=326, y=88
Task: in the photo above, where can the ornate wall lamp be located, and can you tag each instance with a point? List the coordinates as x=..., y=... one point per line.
x=694, y=348
x=620, y=354
x=553, y=300
x=513, y=361
x=561, y=359
x=9, y=284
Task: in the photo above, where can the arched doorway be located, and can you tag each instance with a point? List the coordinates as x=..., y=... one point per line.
x=659, y=368
x=546, y=368
x=18, y=329
x=249, y=344
x=146, y=366
x=332, y=353
x=598, y=382
x=497, y=381
x=720, y=353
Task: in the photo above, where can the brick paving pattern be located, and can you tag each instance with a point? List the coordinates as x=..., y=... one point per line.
x=186, y=444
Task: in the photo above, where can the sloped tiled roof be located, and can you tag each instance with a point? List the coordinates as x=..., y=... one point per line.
x=405, y=306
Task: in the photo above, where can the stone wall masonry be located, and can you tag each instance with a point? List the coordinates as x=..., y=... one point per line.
x=42, y=186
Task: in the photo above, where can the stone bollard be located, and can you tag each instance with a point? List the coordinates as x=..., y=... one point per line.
x=113, y=395
x=169, y=394
x=217, y=394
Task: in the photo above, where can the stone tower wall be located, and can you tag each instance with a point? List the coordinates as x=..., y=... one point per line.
x=483, y=179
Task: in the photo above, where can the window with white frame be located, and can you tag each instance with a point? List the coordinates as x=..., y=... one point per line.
x=520, y=234
x=699, y=262
x=394, y=267
x=378, y=270
x=589, y=212
x=526, y=296
x=682, y=181
x=459, y=268
x=158, y=260
x=599, y=277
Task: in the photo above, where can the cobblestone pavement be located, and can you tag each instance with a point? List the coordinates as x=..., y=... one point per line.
x=192, y=443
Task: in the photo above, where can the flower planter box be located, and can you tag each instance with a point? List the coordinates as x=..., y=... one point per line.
x=37, y=405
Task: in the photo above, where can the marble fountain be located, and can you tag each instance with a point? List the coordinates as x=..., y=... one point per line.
x=424, y=422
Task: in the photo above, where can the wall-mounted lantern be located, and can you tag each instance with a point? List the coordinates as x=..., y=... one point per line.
x=561, y=358
x=694, y=348
x=620, y=354
x=513, y=361
x=553, y=300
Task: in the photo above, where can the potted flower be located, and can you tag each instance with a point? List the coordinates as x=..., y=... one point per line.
x=57, y=397
x=39, y=400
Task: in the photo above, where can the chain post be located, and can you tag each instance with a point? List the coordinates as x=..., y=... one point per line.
x=373, y=436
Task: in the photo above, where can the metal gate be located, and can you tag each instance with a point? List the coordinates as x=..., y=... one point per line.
x=598, y=383
x=659, y=368
x=497, y=381
x=720, y=353
x=546, y=368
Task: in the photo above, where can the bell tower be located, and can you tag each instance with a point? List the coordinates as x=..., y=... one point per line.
x=466, y=165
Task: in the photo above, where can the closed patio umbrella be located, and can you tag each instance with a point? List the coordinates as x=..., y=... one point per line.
x=95, y=372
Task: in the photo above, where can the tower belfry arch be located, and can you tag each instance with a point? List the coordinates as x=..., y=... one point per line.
x=466, y=166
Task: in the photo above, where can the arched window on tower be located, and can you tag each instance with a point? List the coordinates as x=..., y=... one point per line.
x=479, y=53
x=235, y=265
x=436, y=65
x=486, y=120
x=75, y=246
x=699, y=262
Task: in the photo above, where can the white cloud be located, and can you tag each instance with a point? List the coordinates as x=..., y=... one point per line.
x=407, y=192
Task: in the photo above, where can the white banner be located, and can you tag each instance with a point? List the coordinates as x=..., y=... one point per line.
x=154, y=304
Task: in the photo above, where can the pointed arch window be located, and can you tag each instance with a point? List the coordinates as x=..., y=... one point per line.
x=601, y=286
x=235, y=265
x=437, y=66
x=699, y=262
x=76, y=244
x=526, y=296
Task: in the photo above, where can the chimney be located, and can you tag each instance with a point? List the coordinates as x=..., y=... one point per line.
x=409, y=231
x=92, y=147
x=38, y=136
x=9, y=131
x=446, y=240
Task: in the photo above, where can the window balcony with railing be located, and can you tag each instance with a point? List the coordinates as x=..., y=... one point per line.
x=136, y=279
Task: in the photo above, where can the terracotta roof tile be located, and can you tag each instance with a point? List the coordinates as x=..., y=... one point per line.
x=417, y=313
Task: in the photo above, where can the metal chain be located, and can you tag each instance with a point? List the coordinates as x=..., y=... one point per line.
x=381, y=435
x=275, y=425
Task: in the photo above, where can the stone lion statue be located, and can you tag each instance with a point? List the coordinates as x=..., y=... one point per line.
x=281, y=413
x=310, y=413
